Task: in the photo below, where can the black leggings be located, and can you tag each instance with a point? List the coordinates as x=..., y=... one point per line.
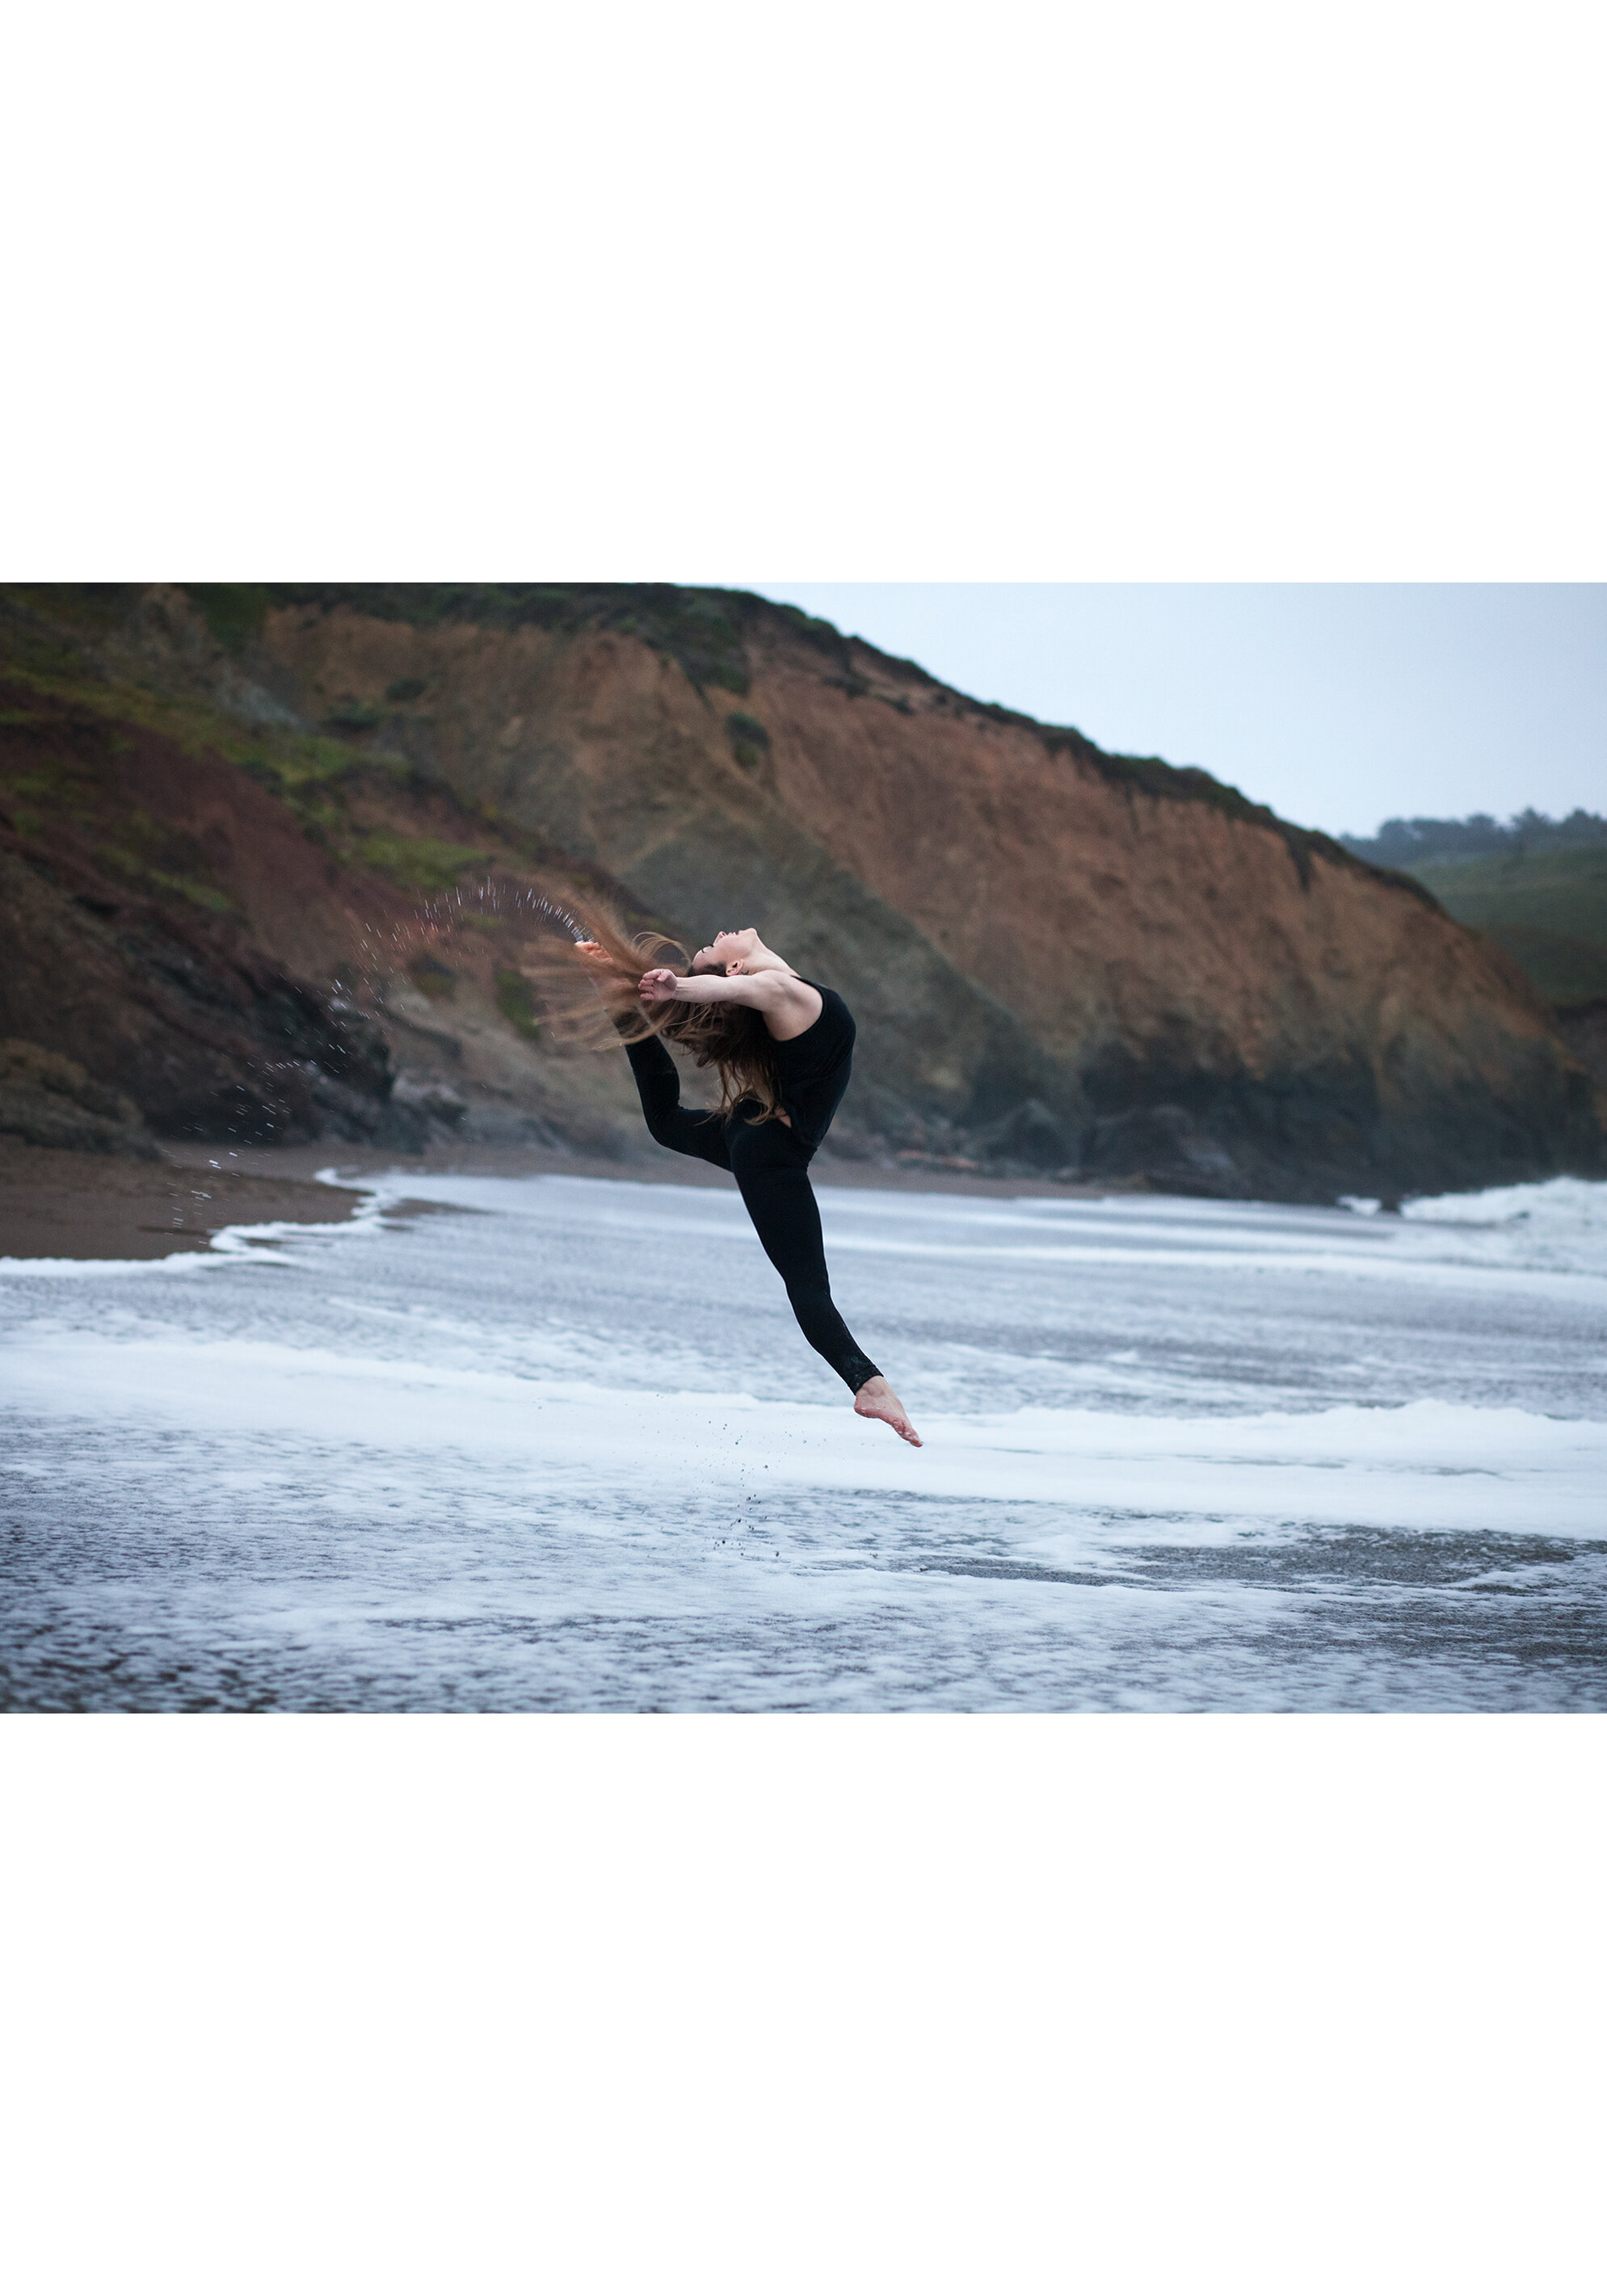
x=772, y=1170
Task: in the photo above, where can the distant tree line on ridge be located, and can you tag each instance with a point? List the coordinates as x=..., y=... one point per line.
x=1420, y=842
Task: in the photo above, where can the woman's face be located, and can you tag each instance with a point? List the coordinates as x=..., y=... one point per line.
x=726, y=952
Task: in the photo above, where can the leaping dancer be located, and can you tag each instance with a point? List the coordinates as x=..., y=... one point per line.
x=784, y=1049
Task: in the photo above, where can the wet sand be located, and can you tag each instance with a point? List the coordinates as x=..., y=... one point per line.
x=64, y=1203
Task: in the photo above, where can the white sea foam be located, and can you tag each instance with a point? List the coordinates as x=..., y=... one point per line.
x=253, y=1240
x=568, y=1447
x=1427, y=1466
x=1544, y=1222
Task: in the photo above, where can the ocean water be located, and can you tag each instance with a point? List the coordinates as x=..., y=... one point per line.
x=554, y=1443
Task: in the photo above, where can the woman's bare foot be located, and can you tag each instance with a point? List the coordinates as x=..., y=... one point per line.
x=876, y=1400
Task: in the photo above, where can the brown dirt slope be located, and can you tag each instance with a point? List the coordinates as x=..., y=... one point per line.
x=1059, y=960
x=214, y=908
x=1079, y=958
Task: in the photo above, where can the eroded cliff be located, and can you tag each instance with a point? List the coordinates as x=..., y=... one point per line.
x=1059, y=960
x=1131, y=965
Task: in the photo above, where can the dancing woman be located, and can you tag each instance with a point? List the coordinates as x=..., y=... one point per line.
x=783, y=1047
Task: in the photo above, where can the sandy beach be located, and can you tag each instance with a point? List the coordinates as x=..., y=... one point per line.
x=64, y=1203
x=61, y=1203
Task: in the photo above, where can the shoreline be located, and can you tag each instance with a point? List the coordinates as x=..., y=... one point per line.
x=70, y=1204
x=655, y=1166
x=67, y=1203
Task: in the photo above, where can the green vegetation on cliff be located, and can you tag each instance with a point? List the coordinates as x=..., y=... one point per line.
x=1548, y=910
x=421, y=864
x=515, y=1004
x=699, y=629
x=1427, y=842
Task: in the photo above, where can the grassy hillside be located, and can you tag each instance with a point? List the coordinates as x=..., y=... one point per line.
x=1548, y=910
x=1426, y=842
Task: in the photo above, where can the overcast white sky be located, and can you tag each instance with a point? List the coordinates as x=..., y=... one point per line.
x=1340, y=704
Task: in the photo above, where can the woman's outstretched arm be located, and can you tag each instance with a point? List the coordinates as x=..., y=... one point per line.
x=789, y=1006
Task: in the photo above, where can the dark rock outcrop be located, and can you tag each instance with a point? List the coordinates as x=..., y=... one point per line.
x=1030, y=1139
x=207, y=1038
x=1582, y=1029
x=50, y=1101
x=1167, y=1146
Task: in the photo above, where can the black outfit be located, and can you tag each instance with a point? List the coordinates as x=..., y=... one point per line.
x=770, y=1163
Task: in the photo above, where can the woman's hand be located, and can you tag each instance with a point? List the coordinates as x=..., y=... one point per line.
x=616, y=988
x=658, y=987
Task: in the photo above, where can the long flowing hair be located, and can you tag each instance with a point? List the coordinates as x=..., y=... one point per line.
x=591, y=1003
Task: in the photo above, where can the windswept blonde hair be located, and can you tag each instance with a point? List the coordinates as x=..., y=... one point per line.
x=591, y=1002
